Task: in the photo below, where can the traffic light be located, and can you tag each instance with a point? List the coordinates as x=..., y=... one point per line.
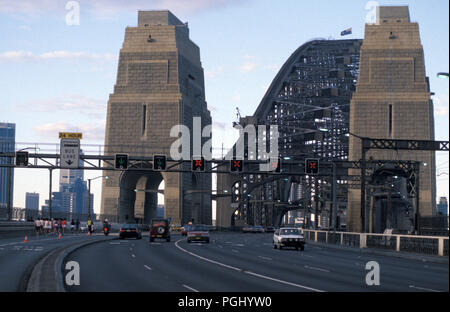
x=21, y=159
x=312, y=166
x=159, y=162
x=275, y=165
x=198, y=164
x=121, y=161
x=236, y=165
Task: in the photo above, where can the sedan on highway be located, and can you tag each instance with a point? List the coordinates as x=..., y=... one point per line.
x=130, y=230
x=288, y=237
x=258, y=229
x=198, y=233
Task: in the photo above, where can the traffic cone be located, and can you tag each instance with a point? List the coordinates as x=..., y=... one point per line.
x=26, y=239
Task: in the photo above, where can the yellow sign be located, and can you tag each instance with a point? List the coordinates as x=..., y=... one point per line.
x=70, y=135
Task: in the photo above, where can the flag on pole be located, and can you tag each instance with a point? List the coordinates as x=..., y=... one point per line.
x=348, y=31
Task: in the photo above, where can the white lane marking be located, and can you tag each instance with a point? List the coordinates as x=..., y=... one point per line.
x=247, y=272
x=220, y=246
x=421, y=288
x=283, y=282
x=233, y=250
x=238, y=245
x=317, y=269
x=265, y=258
x=203, y=258
x=133, y=255
x=228, y=242
x=303, y=255
x=190, y=288
x=155, y=243
x=147, y=267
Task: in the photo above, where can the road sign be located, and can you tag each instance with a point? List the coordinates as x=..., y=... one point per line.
x=21, y=159
x=311, y=166
x=198, y=164
x=69, y=153
x=159, y=162
x=70, y=135
x=121, y=161
x=236, y=165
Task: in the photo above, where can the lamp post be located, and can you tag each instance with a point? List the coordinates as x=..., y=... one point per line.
x=89, y=193
x=442, y=75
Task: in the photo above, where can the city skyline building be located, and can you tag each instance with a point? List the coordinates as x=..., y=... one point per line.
x=7, y=144
x=442, y=206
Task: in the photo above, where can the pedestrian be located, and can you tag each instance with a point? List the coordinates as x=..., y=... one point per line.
x=64, y=223
x=77, y=224
x=37, y=226
x=72, y=226
x=48, y=226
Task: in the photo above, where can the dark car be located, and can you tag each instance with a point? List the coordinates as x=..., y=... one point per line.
x=270, y=229
x=198, y=233
x=160, y=228
x=130, y=230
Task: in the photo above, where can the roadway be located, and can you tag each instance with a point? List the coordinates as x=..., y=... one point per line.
x=236, y=262
x=17, y=258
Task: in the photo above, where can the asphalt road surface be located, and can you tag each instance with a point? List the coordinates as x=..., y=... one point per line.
x=236, y=262
x=17, y=257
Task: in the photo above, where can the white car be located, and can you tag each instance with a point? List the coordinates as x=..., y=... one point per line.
x=288, y=237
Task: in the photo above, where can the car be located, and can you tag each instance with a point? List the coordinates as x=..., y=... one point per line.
x=270, y=229
x=257, y=229
x=247, y=229
x=160, y=228
x=184, y=230
x=130, y=230
x=288, y=237
x=198, y=233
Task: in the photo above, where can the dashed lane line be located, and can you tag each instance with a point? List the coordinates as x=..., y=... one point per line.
x=190, y=288
x=246, y=272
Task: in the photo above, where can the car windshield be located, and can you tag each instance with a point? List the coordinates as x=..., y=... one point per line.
x=129, y=226
x=156, y=223
x=198, y=228
x=289, y=232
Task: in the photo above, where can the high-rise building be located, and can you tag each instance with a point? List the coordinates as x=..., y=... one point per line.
x=442, y=206
x=32, y=201
x=7, y=144
x=32, y=205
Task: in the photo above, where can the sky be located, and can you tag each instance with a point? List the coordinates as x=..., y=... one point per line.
x=58, y=62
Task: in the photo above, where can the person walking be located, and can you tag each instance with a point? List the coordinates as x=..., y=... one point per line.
x=64, y=223
x=72, y=225
x=37, y=226
x=77, y=225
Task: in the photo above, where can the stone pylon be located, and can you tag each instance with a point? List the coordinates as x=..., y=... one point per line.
x=160, y=84
x=392, y=101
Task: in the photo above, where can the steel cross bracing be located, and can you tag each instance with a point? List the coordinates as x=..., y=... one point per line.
x=309, y=101
x=391, y=144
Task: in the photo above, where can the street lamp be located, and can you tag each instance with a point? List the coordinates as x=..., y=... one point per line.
x=442, y=75
x=89, y=193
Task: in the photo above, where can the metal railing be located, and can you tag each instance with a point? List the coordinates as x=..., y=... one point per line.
x=429, y=245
